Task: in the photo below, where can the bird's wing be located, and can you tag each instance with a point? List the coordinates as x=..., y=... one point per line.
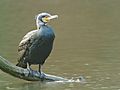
x=25, y=43
x=26, y=39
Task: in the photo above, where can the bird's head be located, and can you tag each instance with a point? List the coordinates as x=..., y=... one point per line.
x=44, y=18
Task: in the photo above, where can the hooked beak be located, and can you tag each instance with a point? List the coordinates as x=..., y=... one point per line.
x=47, y=19
x=53, y=17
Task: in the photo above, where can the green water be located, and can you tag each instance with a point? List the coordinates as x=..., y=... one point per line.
x=87, y=42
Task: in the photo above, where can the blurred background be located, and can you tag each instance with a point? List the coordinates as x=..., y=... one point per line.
x=87, y=42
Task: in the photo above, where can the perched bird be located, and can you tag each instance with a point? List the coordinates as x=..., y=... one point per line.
x=36, y=45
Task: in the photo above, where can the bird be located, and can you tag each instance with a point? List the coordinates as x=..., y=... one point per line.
x=36, y=45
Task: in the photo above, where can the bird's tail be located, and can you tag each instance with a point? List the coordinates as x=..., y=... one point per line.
x=21, y=64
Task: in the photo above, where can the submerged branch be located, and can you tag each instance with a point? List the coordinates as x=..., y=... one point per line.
x=26, y=74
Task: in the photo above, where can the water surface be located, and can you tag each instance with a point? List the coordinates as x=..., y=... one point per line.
x=87, y=42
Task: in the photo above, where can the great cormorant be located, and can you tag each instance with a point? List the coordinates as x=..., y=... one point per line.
x=36, y=45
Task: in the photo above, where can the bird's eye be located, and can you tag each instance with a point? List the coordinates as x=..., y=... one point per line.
x=45, y=16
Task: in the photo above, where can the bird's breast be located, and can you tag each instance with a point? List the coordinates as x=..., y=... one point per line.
x=46, y=33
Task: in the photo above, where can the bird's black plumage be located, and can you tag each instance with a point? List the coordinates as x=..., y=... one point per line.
x=36, y=46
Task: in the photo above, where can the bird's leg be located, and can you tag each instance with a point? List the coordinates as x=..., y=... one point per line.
x=29, y=69
x=42, y=75
x=28, y=65
x=39, y=69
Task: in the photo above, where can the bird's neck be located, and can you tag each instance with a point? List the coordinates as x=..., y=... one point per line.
x=39, y=25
